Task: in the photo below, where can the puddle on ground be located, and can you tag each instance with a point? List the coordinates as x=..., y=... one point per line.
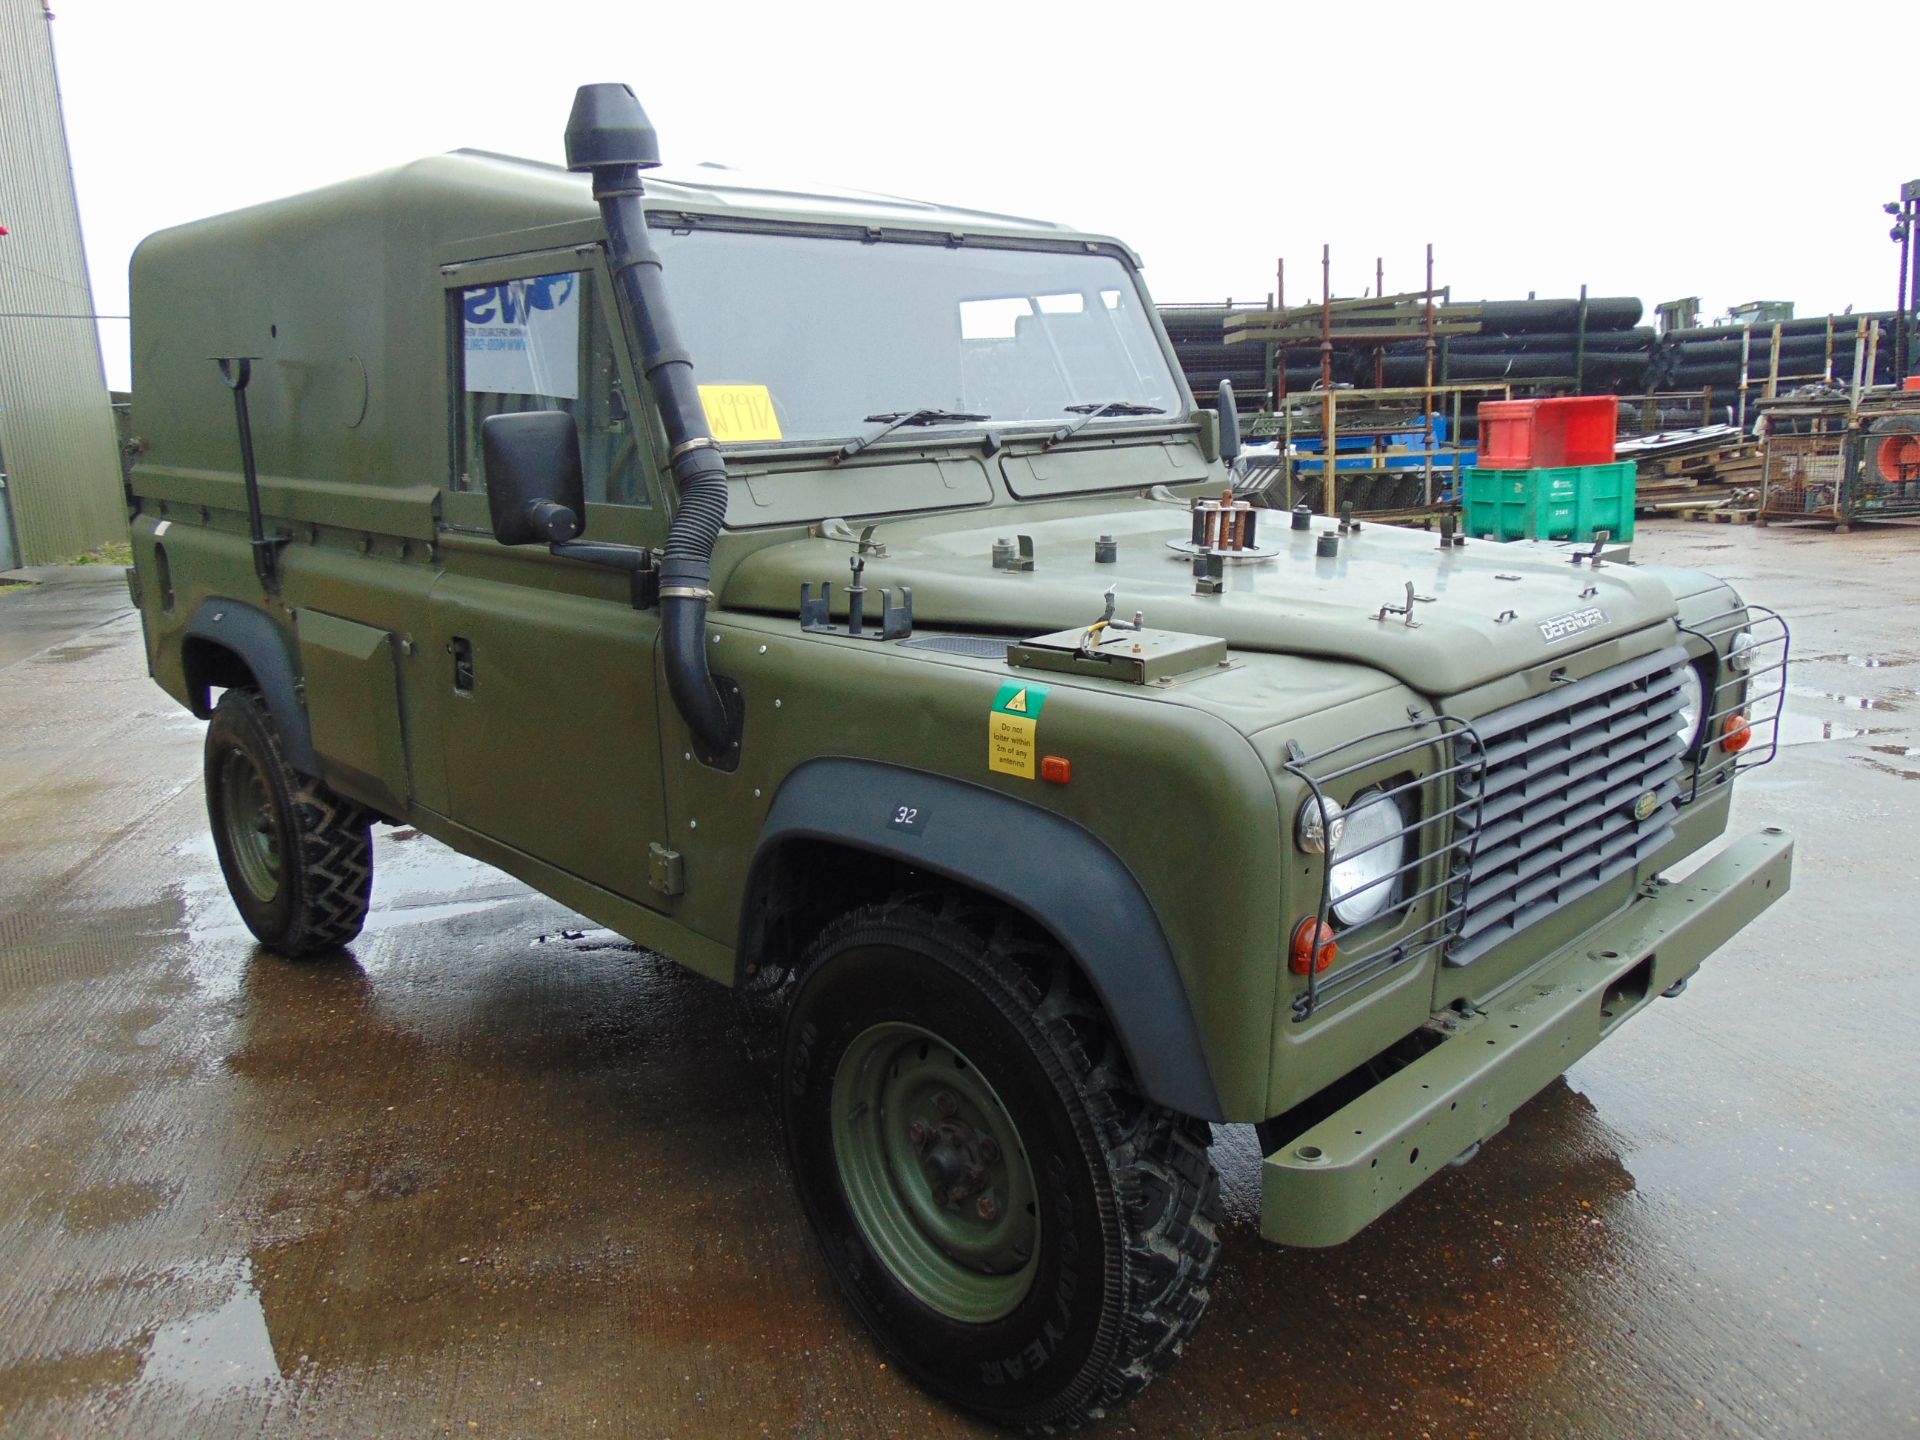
x=1847, y=702
x=1897, y=771
x=67, y=654
x=1796, y=729
x=1861, y=662
x=219, y=1350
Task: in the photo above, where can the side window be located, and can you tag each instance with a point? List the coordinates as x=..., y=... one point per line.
x=540, y=342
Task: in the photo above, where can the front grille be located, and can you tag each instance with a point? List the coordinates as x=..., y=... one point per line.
x=1550, y=812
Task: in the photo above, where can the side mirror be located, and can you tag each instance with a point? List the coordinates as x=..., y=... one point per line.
x=535, y=493
x=1229, y=424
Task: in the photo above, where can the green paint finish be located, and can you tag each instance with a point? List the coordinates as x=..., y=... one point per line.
x=555, y=752
x=909, y=1114
x=1330, y=1182
x=247, y=815
x=353, y=704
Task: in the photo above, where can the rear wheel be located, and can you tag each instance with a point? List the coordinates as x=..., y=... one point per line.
x=298, y=858
x=1028, y=1236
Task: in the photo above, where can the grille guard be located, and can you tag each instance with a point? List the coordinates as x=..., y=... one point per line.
x=1735, y=692
x=1434, y=871
x=1468, y=760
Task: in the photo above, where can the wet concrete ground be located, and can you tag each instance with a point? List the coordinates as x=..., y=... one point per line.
x=498, y=1173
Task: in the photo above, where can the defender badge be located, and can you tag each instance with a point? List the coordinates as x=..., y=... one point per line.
x=1572, y=623
x=1644, y=807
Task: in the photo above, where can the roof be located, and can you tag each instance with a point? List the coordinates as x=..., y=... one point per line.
x=338, y=295
x=711, y=186
x=466, y=194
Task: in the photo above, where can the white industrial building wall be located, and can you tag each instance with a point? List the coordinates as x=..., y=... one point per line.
x=57, y=443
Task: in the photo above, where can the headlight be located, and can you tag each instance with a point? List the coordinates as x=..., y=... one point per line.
x=1320, y=830
x=1369, y=853
x=1693, y=699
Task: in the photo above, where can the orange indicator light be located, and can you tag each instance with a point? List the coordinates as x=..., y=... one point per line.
x=1309, y=955
x=1735, y=734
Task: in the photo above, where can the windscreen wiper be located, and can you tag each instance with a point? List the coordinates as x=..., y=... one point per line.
x=893, y=420
x=1088, y=413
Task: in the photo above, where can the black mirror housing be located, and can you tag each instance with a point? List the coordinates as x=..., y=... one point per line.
x=535, y=493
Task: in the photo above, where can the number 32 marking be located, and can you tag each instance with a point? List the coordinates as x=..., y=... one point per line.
x=911, y=818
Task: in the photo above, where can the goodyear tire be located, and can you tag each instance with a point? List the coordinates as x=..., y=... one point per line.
x=298, y=858
x=1029, y=1238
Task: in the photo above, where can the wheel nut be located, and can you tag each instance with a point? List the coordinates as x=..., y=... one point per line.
x=945, y=1103
x=917, y=1133
x=986, y=1208
x=988, y=1150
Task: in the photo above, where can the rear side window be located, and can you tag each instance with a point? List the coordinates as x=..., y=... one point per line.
x=540, y=342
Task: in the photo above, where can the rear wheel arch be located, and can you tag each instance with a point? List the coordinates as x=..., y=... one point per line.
x=831, y=843
x=229, y=644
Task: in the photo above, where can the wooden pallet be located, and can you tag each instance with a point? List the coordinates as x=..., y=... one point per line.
x=1719, y=514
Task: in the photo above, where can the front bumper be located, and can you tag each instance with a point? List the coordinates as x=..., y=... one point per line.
x=1324, y=1186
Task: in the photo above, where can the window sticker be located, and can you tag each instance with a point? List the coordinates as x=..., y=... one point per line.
x=740, y=412
x=522, y=337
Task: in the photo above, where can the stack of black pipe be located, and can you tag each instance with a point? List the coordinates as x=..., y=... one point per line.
x=1695, y=359
x=1525, y=341
x=1521, y=342
x=1197, y=332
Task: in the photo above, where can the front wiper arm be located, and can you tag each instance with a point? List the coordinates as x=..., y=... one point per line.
x=893, y=420
x=1087, y=413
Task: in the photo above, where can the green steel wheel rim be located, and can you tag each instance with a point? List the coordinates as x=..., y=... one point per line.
x=934, y=1172
x=253, y=836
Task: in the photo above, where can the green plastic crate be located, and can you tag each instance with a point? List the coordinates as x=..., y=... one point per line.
x=1571, y=502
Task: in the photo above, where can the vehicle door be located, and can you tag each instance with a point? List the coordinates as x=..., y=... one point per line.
x=550, y=720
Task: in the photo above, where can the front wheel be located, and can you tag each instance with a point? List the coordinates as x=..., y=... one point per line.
x=298, y=858
x=1030, y=1238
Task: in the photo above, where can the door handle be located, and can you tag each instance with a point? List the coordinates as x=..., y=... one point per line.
x=461, y=649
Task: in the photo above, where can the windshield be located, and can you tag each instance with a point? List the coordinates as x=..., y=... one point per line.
x=799, y=337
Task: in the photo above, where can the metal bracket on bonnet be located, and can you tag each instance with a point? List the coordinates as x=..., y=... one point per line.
x=816, y=616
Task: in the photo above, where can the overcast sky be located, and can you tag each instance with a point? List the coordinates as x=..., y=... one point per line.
x=1731, y=152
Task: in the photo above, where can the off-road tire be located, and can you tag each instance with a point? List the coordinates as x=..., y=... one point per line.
x=1128, y=1200
x=324, y=842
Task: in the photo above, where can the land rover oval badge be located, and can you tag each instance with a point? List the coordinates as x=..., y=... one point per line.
x=1644, y=807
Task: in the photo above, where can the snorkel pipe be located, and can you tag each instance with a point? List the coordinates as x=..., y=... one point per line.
x=609, y=135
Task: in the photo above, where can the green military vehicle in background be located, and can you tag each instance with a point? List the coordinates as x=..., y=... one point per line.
x=844, y=594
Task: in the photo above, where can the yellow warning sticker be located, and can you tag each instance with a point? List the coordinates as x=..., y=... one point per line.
x=740, y=412
x=1013, y=730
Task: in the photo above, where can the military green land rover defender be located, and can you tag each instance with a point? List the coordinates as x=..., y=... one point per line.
x=843, y=594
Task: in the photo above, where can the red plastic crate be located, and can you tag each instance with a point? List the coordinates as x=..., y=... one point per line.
x=1545, y=434
x=1506, y=434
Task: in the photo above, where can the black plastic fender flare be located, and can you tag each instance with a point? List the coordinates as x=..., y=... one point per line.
x=1049, y=868
x=262, y=645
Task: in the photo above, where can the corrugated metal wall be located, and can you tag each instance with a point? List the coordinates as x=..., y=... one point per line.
x=56, y=425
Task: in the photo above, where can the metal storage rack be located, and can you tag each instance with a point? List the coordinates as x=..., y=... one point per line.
x=1840, y=459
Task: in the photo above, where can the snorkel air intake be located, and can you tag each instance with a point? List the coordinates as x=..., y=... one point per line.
x=609, y=135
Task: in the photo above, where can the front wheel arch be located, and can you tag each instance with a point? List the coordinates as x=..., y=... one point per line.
x=839, y=812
